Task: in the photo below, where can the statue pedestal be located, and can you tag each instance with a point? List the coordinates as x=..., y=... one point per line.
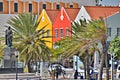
x=9, y=58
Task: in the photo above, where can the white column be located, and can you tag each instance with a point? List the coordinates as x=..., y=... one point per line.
x=96, y=60
x=9, y=7
x=24, y=5
x=52, y=4
x=38, y=8
x=41, y=69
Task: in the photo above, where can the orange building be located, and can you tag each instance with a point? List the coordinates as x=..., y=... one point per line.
x=34, y=6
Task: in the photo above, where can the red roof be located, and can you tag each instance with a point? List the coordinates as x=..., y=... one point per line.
x=72, y=13
x=96, y=12
x=52, y=14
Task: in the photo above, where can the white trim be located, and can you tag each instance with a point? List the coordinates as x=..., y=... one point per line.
x=38, y=7
x=24, y=6
x=63, y=10
x=9, y=7
x=15, y=1
x=44, y=12
x=82, y=14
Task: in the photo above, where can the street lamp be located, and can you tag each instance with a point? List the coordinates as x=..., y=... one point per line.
x=112, y=65
x=76, y=66
x=16, y=55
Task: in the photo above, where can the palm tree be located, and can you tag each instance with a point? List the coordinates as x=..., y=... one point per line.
x=28, y=40
x=81, y=40
x=84, y=36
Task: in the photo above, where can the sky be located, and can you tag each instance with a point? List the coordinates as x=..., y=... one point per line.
x=110, y=2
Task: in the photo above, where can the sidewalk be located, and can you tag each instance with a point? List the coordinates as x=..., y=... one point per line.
x=21, y=76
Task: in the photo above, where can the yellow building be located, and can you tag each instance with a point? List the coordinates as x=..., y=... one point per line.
x=47, y=31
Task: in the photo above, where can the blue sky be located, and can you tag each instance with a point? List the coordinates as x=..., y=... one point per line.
x=110, y=2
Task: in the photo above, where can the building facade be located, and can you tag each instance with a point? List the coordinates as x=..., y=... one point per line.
x=35, y=6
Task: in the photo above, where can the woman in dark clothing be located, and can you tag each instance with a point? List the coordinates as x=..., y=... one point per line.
x=76, y=74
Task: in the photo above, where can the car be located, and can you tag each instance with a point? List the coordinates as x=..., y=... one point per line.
x=92, y=70
x=118, y=72
x=54, y=66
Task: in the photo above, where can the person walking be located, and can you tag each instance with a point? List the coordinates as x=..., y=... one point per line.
x=76, y=74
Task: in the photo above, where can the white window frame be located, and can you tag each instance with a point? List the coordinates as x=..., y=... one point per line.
x=56, y=33
x=67, y=32
x=109, y=31
x=118, y=31
x=61, y=32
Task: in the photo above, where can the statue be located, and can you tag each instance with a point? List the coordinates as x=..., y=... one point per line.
x=8, y=37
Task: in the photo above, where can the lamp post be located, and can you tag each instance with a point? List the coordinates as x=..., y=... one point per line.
x=76, y=66
x=16, y=55
x=112, y=65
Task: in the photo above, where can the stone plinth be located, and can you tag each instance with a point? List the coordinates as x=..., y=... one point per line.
x=9, y=58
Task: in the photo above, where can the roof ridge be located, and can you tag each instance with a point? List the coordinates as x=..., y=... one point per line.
x=104, y=6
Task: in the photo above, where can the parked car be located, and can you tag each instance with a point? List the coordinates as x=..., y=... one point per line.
x=118, y=72
x=81, y=71
x=54, y=66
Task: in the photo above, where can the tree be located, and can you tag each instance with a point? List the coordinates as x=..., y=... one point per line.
x=28, y=40
x=115, y=47
x=84, y=36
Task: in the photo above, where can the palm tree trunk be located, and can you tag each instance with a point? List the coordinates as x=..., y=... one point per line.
x=103, y=56
x=84, y=68
x=107, y=67
x=87, y=66
x=30, y=70
x=101, y=66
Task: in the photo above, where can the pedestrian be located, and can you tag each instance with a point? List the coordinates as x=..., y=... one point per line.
x=63, y=72
x=56, y=72
x=76, y=74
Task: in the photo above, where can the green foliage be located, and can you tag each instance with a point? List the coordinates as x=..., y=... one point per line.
x=115, y=47
x=26, y=39
x=84, y=36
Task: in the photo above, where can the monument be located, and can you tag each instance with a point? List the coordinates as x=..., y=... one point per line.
x=9, y=61
x=8, y=37
x=9, y=57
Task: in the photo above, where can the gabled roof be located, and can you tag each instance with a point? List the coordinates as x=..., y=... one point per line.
x=96, y=12
x=44, y=18
x=52, y=14
x=82, y=14
x=62, y=18
x=72, y=13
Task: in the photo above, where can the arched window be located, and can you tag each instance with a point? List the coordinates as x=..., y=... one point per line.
x=57, y=6
x=44, y=6
x=30, y=7
x=71, y=5
x=1, y=6
x=15, y=7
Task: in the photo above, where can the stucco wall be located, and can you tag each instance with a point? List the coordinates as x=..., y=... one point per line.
x=113, y=23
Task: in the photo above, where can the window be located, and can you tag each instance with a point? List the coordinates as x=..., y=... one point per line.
x=118, y=31
x=15, y=7
x=61, y=32
x=42, y=32
x=71, y=6
x=44, y=6
x=67, y=32
x=30, y=7
x=1, y=6
x=56, y=33
x=108, y=31
x=57, y=6
x=48, y=33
